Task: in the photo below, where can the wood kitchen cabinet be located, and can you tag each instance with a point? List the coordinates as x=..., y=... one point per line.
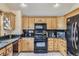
x=11, y=16
x=25, y=22
x=12, y=20
x=53, y=23
x=9, y=50
x=50, y=44
x=20, y=45
x=61, y=23
x=1, y=25
x=2, y=52
x=63, y=47
x=31, y=22
x=27, y=44
x=49, y=22
x=55, y=44
x=40, y=20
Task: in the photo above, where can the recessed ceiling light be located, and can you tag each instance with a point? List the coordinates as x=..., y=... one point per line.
x=23, y=5
x=57, y=5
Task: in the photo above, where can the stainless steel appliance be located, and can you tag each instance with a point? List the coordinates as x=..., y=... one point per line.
x=73, y=35
x=40, y=41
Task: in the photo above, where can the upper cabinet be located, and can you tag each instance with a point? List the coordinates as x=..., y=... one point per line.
x=31, y=22
x=53, y=23
x=25, y=22
x=9, y=21
x=12, y=20
x=1, y=24
x=49, y=22
x=40, y=20
x=61, y=23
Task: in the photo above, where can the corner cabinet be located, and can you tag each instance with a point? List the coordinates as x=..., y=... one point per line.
x=61, y=23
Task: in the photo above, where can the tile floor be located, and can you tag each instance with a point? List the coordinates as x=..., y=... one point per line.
x=39, y=54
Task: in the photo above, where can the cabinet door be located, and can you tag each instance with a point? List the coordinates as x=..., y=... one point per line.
x=24, y=22
x=2, y=52
x=63, y=47
x=31, y=22
x=24, y=45
x=9, y=50
x=50, y=44
x=54, y=23
x=55, y=44
x=19, y=45
x=27, y=44
x=12, y=20
x=0, y=24
x=31, y=44
x=49, y=22
x=40, y=20
x=61, y=23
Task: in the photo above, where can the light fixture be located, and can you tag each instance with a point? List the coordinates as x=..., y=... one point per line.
x=56, y=5
x=23, y=5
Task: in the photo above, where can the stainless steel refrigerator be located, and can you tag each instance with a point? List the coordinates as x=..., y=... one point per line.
x=73, y=35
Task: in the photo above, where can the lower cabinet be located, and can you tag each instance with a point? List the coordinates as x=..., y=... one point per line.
x=2, y=52
x=27, y=44
x=9, y=50
x=19, y=45
x=53, y=44
x=50, y=45
x=57, y=44
x=63, y=47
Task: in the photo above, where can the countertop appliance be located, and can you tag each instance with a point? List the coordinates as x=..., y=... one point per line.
x=40, y=41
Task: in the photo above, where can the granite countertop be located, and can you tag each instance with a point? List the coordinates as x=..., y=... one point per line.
x=4, y=43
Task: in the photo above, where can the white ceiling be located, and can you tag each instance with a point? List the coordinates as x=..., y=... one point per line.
x=42, y=9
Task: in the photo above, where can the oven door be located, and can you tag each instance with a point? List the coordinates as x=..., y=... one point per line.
x=40, y=47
